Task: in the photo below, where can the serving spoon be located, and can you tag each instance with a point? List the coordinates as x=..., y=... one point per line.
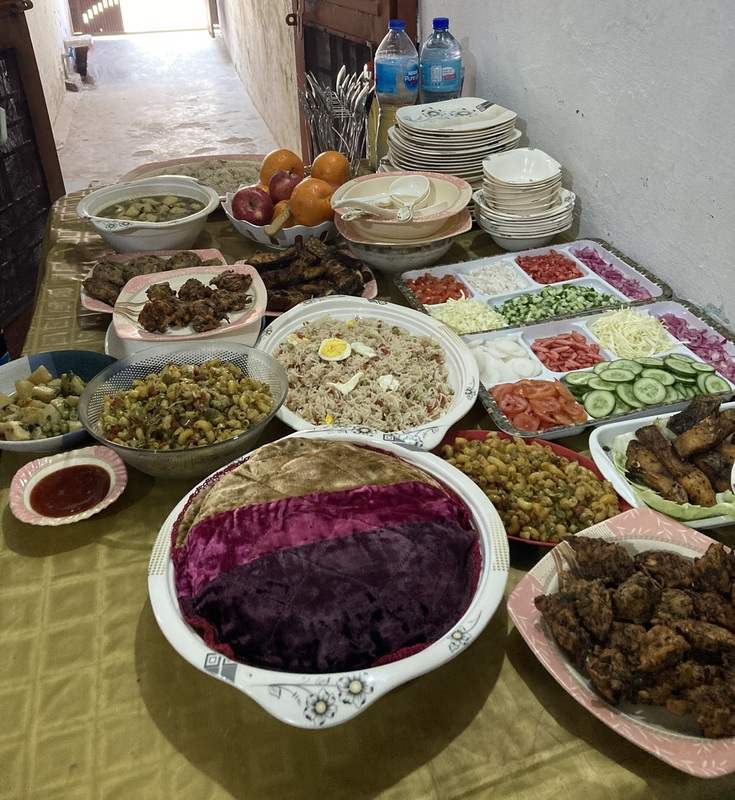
x=408, y=191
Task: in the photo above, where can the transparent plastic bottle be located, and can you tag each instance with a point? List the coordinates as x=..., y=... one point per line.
x=442, y=70
x=396, y=79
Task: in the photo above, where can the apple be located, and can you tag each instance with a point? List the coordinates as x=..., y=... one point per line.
x=253, y=204
x=282, y=183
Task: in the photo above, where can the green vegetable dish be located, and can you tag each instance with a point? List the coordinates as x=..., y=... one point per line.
x=626, y=385
x=41, y=406
x=553, y=301
x=158, y=208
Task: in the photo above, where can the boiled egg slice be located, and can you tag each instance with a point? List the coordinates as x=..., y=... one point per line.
x=362, y=349
x=389, y=383
x=334, y=349
x=348, y=386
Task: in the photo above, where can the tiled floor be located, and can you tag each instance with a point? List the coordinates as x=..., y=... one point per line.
x=157, y=96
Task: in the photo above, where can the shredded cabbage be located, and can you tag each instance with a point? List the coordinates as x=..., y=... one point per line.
x=468, y=316
x=630, y=334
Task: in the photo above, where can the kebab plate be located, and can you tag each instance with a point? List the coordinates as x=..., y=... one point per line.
x=678, y=464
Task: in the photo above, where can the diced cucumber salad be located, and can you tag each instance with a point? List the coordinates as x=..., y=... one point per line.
x=553, y=301
x=627, y=385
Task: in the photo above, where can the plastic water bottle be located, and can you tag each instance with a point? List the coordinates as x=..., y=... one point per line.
x=396, y=78
x=442, y=71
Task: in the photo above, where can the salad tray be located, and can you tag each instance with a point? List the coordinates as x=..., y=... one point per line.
x=626, y=269
x=669, y=392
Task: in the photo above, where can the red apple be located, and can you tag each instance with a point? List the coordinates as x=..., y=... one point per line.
x=253, y=204
x=281, y=184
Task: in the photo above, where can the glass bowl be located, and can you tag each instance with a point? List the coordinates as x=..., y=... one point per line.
x=190, y=462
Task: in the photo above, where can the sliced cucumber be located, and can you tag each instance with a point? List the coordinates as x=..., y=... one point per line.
x=677, y=365
x=599, y=404
x=691, y=391
x=687, y=380
x=681, y=357
x=646, y=361
x=700, y=367
x=716, y=385
x=624, y=392
x=617, y=375
x=701, y=378
x=578, y=378
x=625, y=363
x=601, y=367
x=621, y=408
x=672, y=396
x=601, y=384
x=650, y=392
x=660, y=375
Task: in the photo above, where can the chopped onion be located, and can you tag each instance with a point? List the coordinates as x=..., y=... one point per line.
x=628, y=286
x=499, y=277
x=708, y=345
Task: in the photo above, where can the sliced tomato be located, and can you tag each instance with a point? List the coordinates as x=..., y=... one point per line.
x=545, y=405
x=512, y=404
x=526, y=422
x=541, y=389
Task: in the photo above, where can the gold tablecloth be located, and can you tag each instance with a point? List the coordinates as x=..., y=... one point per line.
x=96, y=704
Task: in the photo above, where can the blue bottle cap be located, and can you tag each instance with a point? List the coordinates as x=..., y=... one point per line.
x=441, y=23
x=397, y=25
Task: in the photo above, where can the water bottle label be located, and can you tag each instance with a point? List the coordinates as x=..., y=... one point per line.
x=442, y=76
x=395, y=78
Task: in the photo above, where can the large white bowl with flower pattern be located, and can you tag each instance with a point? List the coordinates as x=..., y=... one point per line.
x=323, y=700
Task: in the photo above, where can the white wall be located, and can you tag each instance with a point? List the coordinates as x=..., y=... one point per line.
x=49, y=24
x=637, y=100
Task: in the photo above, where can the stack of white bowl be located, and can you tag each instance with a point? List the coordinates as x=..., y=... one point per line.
x=522, y=203
x=384, y=241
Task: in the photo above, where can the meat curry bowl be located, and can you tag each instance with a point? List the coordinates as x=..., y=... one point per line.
x=324, y=569
x=372, y=366
x=167, y=212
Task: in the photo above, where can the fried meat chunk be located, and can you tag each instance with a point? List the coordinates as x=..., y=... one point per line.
x=705, y=636
x=712, y=607
x=566, y=628
x=610, y=673
x=596, y=558
x=671, y=570
x=194, y=289
x=636, y=598
x=160, y=291
x=661, y=647
x=674, y=604
x=713, y=571
x=701, y=406
x=592, y=603
x=707, y=433
x=713, y=707
x=231, y=281
x=642, y=465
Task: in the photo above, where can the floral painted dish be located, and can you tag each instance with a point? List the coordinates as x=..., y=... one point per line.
x=673, y=740
x=28, y=477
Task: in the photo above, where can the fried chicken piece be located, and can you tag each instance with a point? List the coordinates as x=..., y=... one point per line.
x=110, y=272
x=160, y=291
x=184, y=260
x=677, y=679
x=596, y=558
x=561, y=617
x=318, y=248
x=302, y=270
x=705, y=636
x=661, y=647
x=674, y=604
x=285, y=299
x=713, y=707
x=707, y=433
x=204, y=322
x=627, y=637
x=642, y=465
x=717, y=468
x=713, y=571
x=156, y=315
x=592, y=603
x=231, y=301
x=194, y=289
x=695, y=483
x=268, y=259
x=728, y=451
x=101, y=290
x=701, y=406
x=711, y=607
x=610, y=673
x=231, y=281
x=671, y=570
x=344, y=280
x=144, y=265
x=636, y=597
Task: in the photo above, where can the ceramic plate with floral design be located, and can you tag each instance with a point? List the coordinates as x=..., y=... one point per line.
x=27, y=477
x=674, y=740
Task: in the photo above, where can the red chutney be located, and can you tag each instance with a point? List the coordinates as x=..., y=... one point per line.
x=70, y=490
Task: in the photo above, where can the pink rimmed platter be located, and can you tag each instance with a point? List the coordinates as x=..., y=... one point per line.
x=28, y=476
x=671, y=739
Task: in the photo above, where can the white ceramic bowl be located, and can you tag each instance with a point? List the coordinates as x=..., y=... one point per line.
x=514, y=245
x=394, y=260
x=126, y=236
x=524, y=165
x=566, y=202
x=285, y=238
x=463, y=375
x=453, y=192
x=291, y=697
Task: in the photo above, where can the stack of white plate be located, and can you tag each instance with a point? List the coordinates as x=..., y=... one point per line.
x=452, y=137
x=522, y=203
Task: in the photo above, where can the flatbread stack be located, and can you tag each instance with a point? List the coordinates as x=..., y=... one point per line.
x=323, y=556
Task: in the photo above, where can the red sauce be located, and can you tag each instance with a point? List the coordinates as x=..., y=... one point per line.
x=70, y=490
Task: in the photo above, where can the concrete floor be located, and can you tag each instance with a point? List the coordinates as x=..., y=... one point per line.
x=155, y=96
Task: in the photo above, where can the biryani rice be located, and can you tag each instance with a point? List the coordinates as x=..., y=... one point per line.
x=417, y=362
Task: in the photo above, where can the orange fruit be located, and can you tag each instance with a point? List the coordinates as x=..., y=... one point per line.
x=310, y=202
x=332, y=167
x=280, y=159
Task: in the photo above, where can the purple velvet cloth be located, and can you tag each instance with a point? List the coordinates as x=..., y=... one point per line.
x=231, y=539
x=341, y=604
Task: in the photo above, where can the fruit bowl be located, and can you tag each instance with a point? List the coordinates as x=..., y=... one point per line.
x=286, y=237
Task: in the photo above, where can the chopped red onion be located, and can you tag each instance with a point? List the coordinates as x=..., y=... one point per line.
x=630, y=287
x=708, y=345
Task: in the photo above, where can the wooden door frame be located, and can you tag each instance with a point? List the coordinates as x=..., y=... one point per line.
x=14, y=35
x=364, y=21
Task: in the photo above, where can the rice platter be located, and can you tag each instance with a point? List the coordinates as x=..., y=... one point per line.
x=318, y=556
x=362, y=371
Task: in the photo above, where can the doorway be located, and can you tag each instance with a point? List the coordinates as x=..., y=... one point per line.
x=138, y=16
